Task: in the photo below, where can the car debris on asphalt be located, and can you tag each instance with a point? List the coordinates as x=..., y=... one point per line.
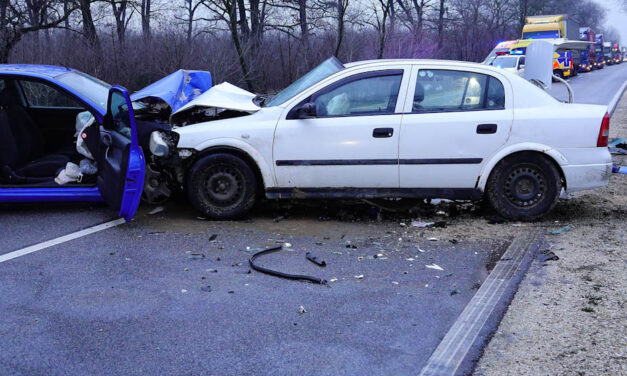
x=315, y=260
x=618, y=146
x=276, y=273
x=434, y=267
x=548, y=255
x=156, y=210
x=560, y=231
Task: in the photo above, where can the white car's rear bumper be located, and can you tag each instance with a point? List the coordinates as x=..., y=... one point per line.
x=587, y=168
x=583, y=177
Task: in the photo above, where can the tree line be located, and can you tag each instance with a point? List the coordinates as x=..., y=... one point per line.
x=261, y=45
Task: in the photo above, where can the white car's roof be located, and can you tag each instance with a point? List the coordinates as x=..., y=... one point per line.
x=460, y=64
x=443, y=63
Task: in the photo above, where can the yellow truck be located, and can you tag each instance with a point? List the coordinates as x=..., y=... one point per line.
x=550, y=27
x=563, y=33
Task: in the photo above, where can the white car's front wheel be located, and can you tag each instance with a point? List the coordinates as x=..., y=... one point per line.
x=221, y=186
x=524, y=186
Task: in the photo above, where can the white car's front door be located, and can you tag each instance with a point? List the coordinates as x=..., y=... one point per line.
x=348, y=138
x=454, y=120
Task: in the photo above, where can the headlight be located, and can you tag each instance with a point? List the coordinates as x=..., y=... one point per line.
x=158, y=146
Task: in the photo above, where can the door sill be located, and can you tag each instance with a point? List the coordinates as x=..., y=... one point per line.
x=448, y=193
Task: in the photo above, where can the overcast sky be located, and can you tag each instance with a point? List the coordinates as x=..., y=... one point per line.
x=616, y=16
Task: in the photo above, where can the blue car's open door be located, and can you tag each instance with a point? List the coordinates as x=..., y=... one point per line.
x=120, y=160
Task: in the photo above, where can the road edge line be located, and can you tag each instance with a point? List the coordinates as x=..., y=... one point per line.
x=614, y=102
x=60, y=240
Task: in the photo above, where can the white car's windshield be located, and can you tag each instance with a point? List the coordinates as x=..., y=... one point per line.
x=505, y=62
x=87, y=86
x=319, y=73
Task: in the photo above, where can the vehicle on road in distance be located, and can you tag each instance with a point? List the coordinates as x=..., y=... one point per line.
x=39, y=105
x=598, y=50
x=616, y=53
x=388, y=128
x=587, y=57
x=502, y=48
x=511, y=63
x=607, y=53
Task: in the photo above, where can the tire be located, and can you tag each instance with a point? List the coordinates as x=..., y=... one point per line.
x=524, y=186
x=221, y=186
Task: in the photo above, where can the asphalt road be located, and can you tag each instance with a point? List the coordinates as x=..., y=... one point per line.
x=596, y=87
x=130, y=299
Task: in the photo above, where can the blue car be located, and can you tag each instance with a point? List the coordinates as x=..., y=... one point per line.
x=39, y=105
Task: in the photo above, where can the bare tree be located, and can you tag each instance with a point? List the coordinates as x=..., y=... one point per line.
x=337, y=8
x=145, y=13
x=226, y=10
x=88, y=26
x=412, y=13
x=19, y=18
x=191, y=9
x=122, y=17
x=381, y=11
x=441, y=12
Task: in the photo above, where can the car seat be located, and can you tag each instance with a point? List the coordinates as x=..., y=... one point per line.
x=419, y=96
x=22, y=159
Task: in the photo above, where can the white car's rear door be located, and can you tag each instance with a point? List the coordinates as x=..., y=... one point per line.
x=352, y=142
x=453, y=120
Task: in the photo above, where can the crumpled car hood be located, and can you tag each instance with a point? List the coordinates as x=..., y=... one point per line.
x=177, y=89
x=224, y=95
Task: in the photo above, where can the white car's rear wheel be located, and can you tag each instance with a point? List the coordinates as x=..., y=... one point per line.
x=524, y=186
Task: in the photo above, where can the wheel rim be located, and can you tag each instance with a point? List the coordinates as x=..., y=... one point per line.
x=224, y=185
x=525, y=186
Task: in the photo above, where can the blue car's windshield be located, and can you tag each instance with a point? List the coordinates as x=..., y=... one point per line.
x=319, y=73
x=87, y=86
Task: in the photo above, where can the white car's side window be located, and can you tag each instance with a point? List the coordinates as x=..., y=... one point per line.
x=449, y=90
x=370, y=95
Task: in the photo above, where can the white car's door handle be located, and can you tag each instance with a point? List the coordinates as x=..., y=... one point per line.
x=486, y=128
x=382, y=132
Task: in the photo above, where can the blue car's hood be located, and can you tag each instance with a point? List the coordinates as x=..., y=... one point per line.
x=177, y=88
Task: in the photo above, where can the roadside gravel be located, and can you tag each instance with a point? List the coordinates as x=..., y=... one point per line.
x=568, y=316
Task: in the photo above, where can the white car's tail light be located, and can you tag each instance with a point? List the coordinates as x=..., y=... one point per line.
x=604, y=132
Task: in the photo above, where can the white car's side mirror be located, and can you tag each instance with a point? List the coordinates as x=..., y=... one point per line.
x=306, y=111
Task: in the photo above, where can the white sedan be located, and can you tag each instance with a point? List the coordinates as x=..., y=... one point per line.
x=388, y=128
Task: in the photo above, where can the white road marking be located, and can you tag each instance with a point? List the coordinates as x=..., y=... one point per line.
x=60, y=240
x=614, y=101
x=456, y=344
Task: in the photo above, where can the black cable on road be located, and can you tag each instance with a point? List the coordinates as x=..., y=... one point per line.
x=281, y=274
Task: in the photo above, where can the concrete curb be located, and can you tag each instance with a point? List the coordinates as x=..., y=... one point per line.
x=463, y=344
